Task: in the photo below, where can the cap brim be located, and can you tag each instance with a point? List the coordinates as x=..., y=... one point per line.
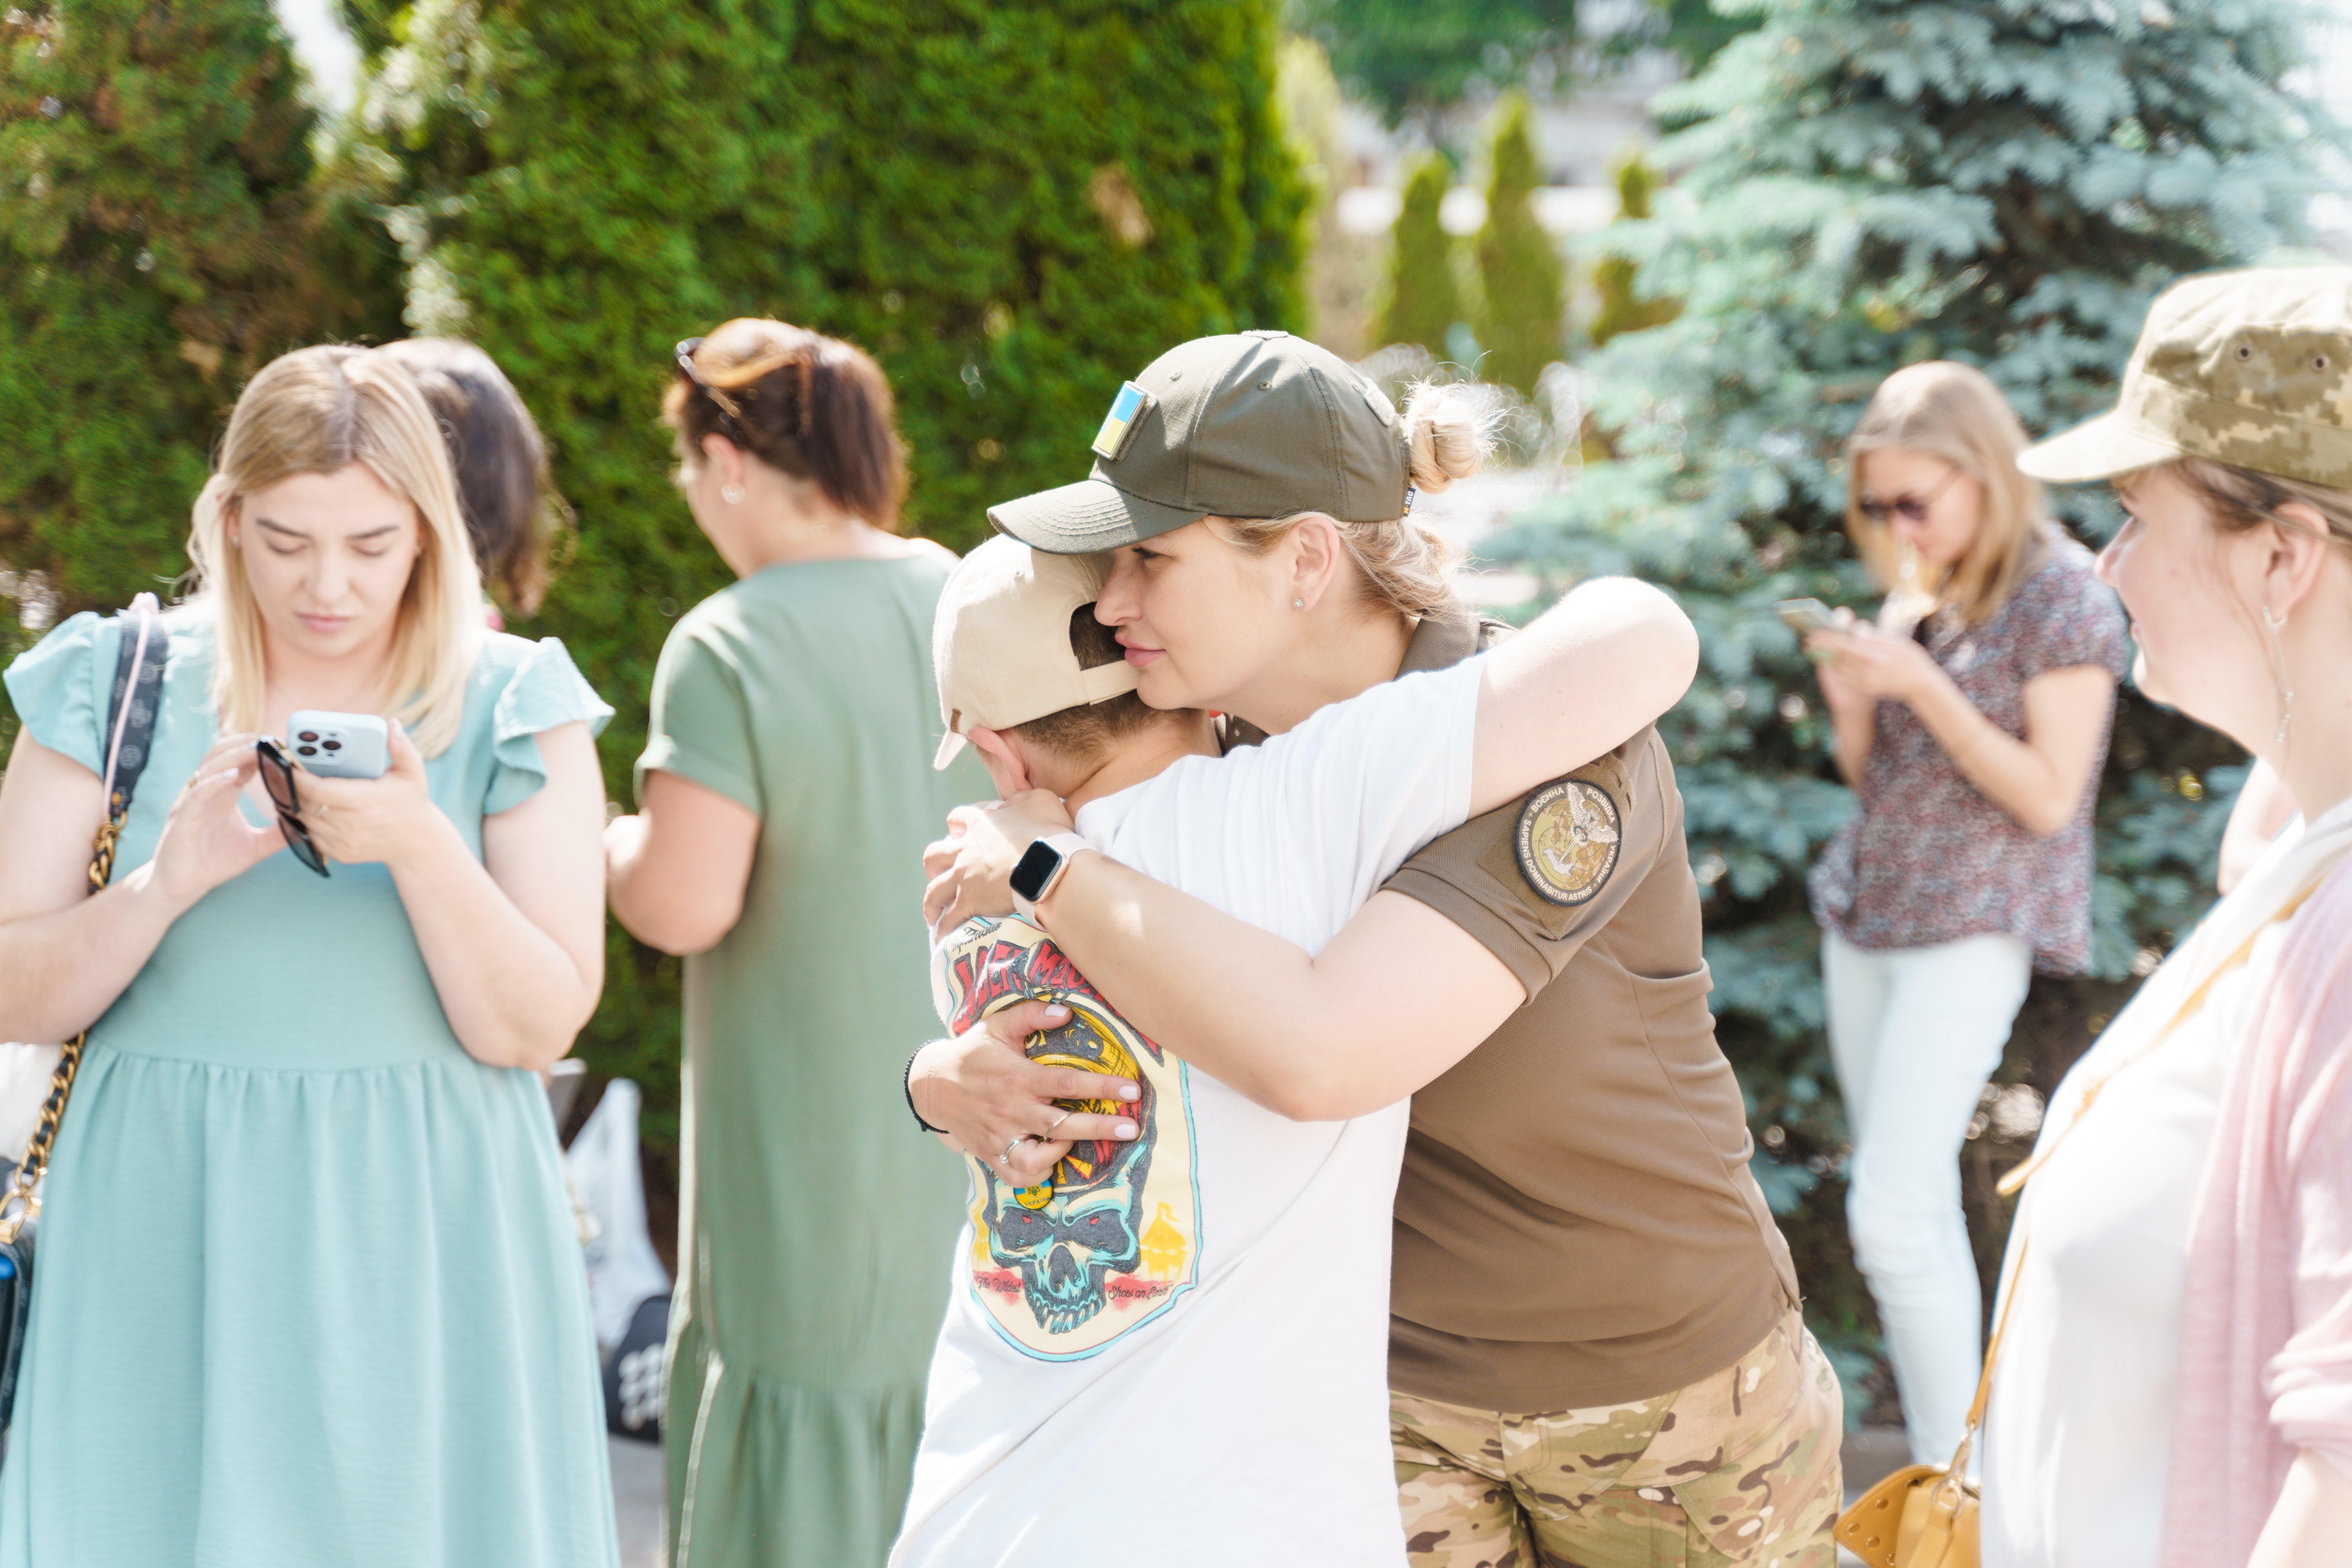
x=949, y=745
x=1083, y=518
x=2097, y=449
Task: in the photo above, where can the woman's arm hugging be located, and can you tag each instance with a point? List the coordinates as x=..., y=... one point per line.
x=1586, y=676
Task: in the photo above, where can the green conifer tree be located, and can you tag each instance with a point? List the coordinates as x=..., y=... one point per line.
x=1422, y=300
x=1012, y=207
x=1522, y=277
x=1876, y=183
x=161, y=234
x=1622, y=308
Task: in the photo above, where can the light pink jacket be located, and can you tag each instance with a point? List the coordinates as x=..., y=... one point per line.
x=2266, y=1321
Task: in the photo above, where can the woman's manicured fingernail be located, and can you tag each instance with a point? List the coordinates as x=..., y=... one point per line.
x=1123, y=1129
x=1057, y=1013
x=1129, y=1091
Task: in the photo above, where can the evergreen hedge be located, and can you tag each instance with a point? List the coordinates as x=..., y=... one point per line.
x=2005, y=183
x=1422, y=302
x=163, y=234
x=1013, y=206
x=1522, y=279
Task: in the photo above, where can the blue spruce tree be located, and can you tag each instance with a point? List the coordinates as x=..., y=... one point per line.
x=2004, y=183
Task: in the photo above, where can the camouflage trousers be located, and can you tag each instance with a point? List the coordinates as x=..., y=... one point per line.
x=1740, y=1468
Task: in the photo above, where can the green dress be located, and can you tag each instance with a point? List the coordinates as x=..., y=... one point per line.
x=308, y=1289
x=818, y=1224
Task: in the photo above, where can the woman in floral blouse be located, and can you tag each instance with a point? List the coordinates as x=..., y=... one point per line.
x=1971, y=719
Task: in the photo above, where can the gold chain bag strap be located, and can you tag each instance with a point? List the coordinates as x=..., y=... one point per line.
x=1925, y=1516
x=133, y=706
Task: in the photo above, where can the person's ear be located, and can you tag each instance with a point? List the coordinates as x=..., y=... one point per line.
x=1001, y=754
x=2295, y=559
x=725, y=460
x=1315, y=553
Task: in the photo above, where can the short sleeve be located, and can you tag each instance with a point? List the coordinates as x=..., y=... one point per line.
x=1532, y=881
x=547, y=689
x=701, y=722
x=2072, y=620
x=59, y=686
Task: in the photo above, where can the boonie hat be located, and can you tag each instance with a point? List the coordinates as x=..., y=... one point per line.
x=1001, y=641
x=2251, y=368
x=1252, y=425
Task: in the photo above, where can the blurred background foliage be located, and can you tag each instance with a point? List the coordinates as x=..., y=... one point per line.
x=1015, y=205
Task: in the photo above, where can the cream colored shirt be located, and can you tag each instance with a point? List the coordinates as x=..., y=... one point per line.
x=2080, y=1427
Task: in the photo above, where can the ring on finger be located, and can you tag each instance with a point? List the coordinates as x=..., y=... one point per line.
x=1057, y=1121
x=1005, y=1159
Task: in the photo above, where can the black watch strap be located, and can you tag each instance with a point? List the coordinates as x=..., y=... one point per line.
x=908, y=1083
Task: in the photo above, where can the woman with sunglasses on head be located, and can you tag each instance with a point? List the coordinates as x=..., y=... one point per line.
x=785, y=798
x=1971, y=721
x=2172, y=1381
x=309, y=1286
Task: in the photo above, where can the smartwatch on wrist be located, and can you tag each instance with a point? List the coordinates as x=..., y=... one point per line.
x=1043, y=865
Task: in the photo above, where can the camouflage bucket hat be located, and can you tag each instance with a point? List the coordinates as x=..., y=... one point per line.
x=2252, y=369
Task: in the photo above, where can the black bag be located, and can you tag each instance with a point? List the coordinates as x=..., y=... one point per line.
x=130, y=713
x=635, y=1372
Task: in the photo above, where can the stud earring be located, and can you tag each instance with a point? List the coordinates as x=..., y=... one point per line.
x=731, y=494
x=1297, y=604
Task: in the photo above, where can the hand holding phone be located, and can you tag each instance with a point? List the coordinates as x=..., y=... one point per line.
x=338, y=745
x=1805, y=617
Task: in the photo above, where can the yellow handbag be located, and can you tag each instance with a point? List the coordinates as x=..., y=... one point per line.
x=1925, y=1516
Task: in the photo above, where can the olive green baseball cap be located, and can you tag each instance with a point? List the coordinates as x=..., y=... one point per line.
x=2251, y=368
x=1252, y=425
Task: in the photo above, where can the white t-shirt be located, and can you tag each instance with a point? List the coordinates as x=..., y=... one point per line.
x=2078, y=1433
x=1176, y=1352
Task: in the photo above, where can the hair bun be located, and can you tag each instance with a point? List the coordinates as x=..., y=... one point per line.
x=1448, y=431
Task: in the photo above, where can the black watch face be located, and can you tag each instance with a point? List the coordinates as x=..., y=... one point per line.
x=1029, y=877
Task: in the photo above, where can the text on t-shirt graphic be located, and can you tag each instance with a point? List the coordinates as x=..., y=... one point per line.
x=1111, y=1238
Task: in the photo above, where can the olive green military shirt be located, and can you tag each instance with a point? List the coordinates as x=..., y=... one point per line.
x=1576, y=1224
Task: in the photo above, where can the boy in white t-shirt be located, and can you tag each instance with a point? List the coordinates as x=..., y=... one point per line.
x=1127, y=1338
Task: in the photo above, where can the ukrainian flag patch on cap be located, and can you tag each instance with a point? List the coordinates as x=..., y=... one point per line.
x=1126, y=411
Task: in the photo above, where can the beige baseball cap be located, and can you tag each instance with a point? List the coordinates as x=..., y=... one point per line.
x=2251, y=368
x=1001, y=641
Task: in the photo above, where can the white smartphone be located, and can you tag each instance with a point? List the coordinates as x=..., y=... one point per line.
x=1806, y=615
x=340, y=745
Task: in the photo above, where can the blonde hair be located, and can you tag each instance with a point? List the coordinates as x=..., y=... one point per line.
x=317, y=411
x=1953, y=412
x=1448, y=431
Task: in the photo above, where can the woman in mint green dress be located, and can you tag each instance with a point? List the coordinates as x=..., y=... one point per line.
x=310, y=1289
x=785, y=795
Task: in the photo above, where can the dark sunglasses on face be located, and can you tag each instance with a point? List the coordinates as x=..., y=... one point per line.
x=1913, y=509
x=278, y=772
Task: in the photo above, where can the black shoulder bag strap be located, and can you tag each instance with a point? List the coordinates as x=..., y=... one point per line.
x=131, y=708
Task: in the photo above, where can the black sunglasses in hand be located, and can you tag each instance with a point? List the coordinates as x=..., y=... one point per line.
x=278, y=772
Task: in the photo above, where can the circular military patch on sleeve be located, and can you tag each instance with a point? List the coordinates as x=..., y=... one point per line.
x=1567, y=841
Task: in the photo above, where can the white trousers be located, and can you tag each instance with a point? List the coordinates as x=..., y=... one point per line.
x=1915, y=1032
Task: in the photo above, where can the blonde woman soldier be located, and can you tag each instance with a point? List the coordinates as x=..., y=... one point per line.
x=309, y=1287
x=1973, y=741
